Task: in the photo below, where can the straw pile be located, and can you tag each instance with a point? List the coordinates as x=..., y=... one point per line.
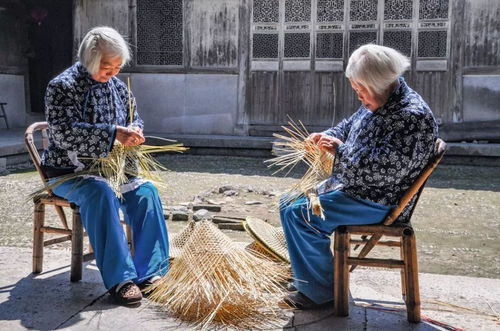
x=294, y=149
x=216, y=280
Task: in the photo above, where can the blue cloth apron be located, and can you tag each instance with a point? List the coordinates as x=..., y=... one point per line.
x=308, y=238
x=99, y=210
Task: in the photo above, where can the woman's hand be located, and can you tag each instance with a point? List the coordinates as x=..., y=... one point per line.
x=129, y=137
x=325, y=142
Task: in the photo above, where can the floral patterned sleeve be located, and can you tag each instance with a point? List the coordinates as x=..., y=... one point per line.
x=390, y=150
x=68, y=128
x=341, y=130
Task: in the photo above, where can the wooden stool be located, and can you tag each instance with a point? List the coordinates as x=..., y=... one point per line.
x=3, y=114
x=406, y=242
x=75, y=233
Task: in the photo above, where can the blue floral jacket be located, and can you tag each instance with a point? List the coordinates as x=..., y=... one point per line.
x=82, y=115
x=384, y=151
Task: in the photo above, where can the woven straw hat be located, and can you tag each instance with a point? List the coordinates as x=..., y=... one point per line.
x=269, y=237
x=176, y=243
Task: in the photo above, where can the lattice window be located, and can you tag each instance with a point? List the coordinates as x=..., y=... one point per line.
x=433, y=9
x=363, y=10
x=400, y=40
x=357, y=39
x=432, y=43
x=266, y=11
x=297, y=10
x=159, y=32
x=329, y=45
x=398, y=9
x=297, y=45
x=330, y=10
x=265, y=45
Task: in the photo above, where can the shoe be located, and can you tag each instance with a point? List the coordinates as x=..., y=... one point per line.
x=290, y=287
x=145, y=286
x=300, y=301
x=126, y=294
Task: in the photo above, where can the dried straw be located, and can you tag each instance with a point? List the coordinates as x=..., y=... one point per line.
x=216, y=280
x=294, y=149
x=121, y=162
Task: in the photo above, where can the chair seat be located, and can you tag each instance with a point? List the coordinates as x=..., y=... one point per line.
x=51, y=199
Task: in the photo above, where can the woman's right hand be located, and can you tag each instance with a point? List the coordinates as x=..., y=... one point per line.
x=129, y=137
x=325, y=142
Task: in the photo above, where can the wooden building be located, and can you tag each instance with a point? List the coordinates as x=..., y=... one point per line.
x=241, y=67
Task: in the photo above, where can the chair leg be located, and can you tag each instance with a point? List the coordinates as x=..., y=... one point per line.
x=38, y=222
x=341, y=273
x=130, y=239
x=403, y=272
x=411, y=270
x=76, y=246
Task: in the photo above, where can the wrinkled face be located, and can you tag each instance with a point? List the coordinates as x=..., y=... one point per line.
x=110, y=66
x=368, y=99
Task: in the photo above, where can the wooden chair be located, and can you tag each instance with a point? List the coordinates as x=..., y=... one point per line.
x=407, y=244
x=75, y=233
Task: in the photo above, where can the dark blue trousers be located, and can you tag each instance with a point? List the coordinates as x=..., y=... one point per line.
x=308, y=238
x=99, y=209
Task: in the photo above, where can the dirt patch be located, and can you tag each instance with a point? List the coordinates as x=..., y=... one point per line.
x=457, y=220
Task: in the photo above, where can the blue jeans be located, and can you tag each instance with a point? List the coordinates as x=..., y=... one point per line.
x=99, y=210
x=308, y=238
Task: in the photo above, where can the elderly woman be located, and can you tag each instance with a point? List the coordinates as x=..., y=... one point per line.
x=380, y=149
x=87, y=112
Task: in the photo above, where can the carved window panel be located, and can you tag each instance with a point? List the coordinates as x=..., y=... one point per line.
x=363, y=10
x=159, y=32
x=432, y=43
x=297, y=10
x=398, y=10
x=297, y=45
x=265, y=45
x=433, y=9
x=266, y=11
x=330, y=10
x=399, y=40
x=329, y=45
x=358, y=38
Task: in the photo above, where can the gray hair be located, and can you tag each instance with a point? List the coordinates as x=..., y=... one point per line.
x=101, y=41
x=376, y=67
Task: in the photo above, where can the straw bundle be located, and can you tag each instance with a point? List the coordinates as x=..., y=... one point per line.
x=216, y=280
x=121, y=162
x=294, y=149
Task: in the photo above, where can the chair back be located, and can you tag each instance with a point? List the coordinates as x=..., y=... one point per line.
x=32, y=148
x=417, y=187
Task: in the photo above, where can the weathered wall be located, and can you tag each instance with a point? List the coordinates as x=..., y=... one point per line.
x=481, y=82
x=12, y=87
x=186, y=103
x=92, y=13
x=213, y=33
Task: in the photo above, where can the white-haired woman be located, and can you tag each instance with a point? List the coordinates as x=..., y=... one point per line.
x=87, y=110
x=380, y=150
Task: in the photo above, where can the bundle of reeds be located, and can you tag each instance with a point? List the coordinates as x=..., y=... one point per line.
x=122, y=162
x=296, y=148
x=216, y=280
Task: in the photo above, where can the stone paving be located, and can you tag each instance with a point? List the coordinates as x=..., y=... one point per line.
x=50, y=301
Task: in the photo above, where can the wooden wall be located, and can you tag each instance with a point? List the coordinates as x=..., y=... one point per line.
x=218, y=39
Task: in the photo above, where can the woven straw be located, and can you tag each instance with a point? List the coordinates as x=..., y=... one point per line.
x=271, y=238
x=177, y=242
x=215, y=280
